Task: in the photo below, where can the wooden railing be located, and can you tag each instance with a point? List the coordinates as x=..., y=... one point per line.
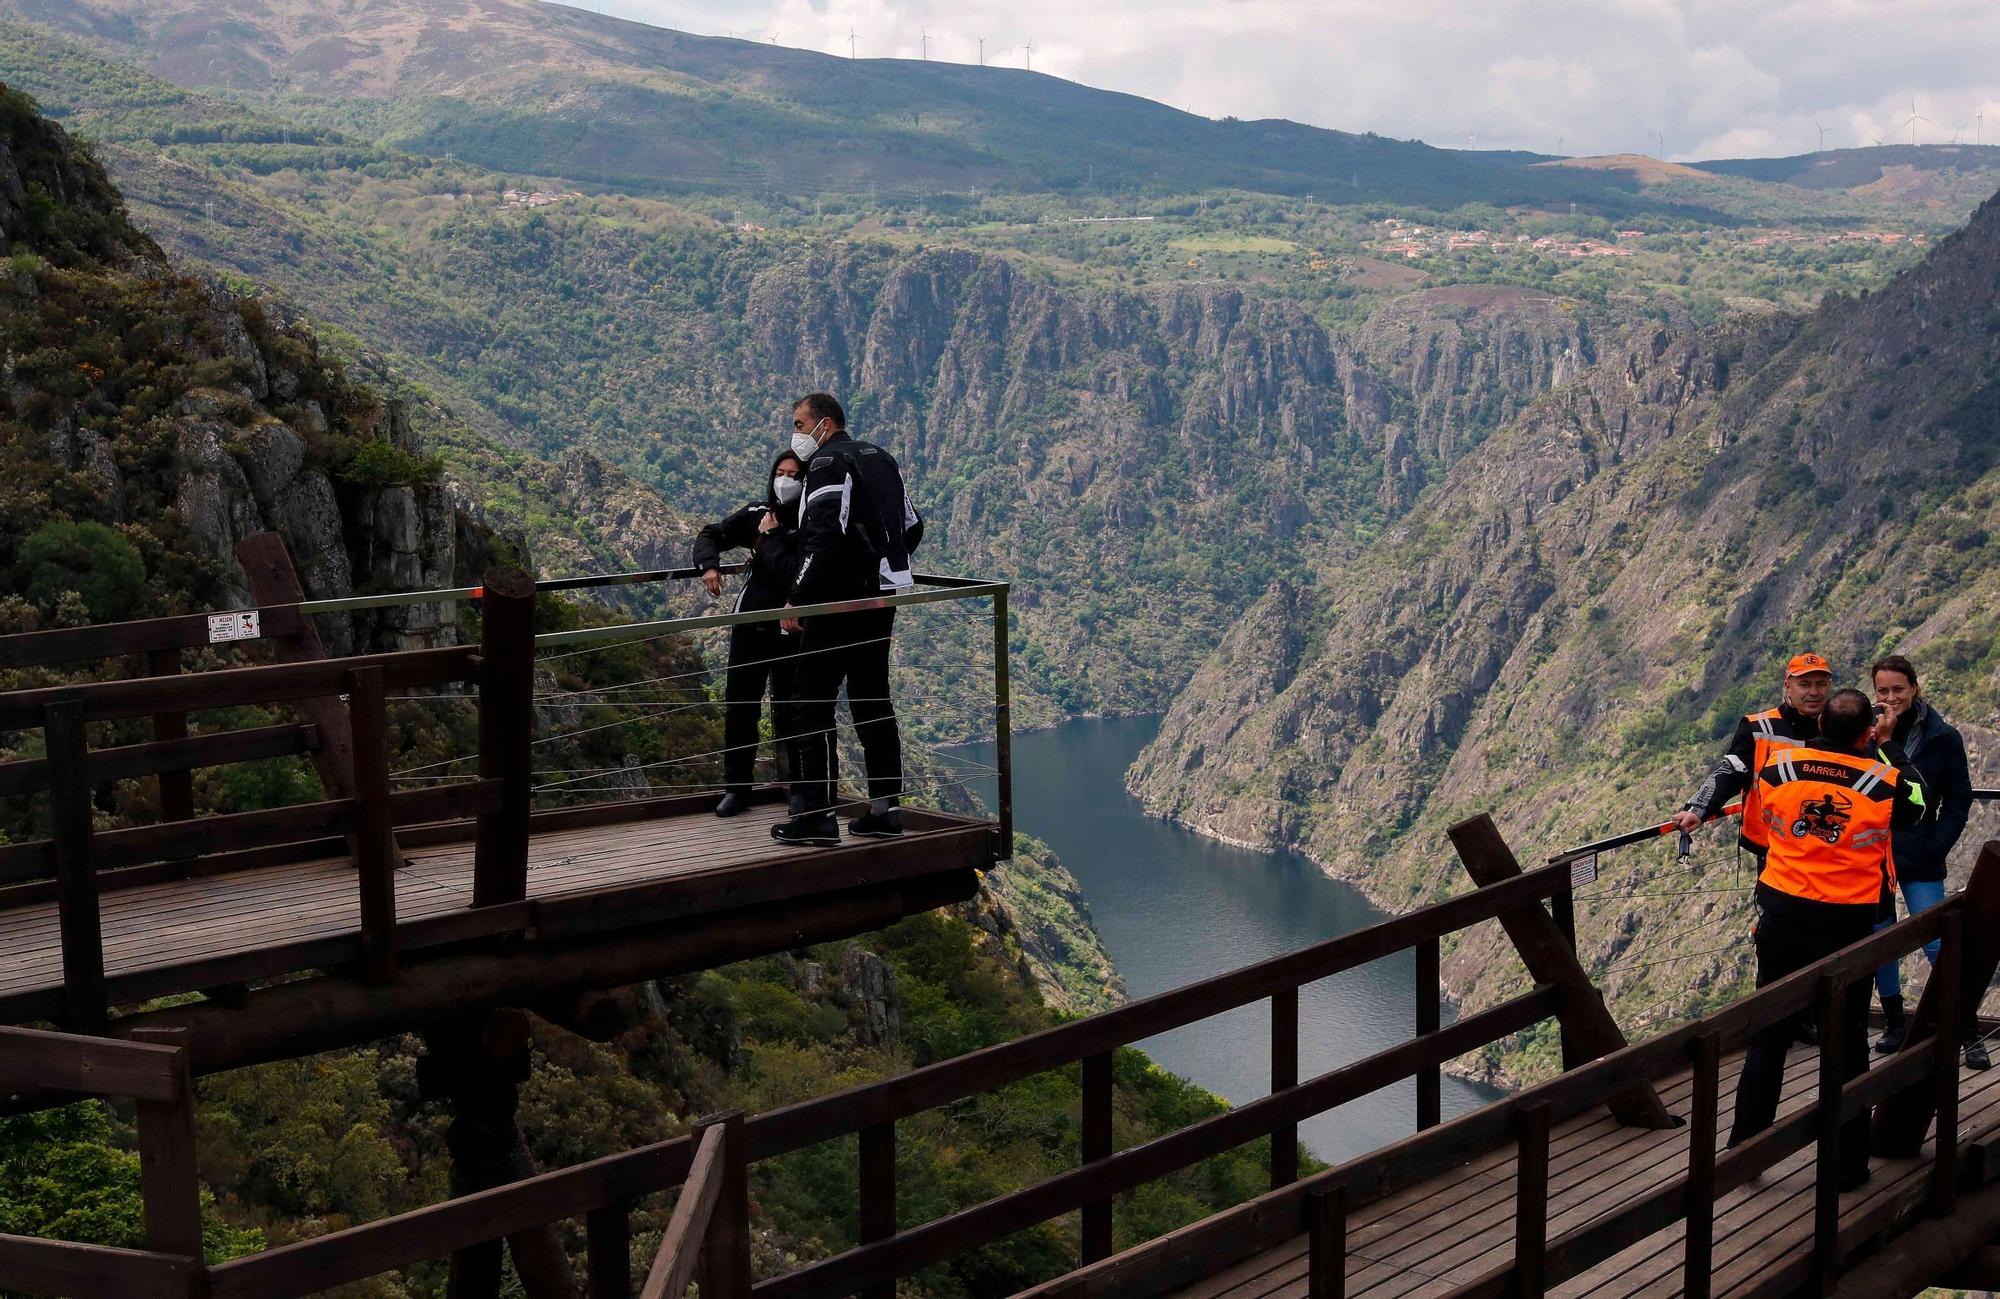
x=152, y=1071
x=77, y=863
x=604, y=1191
x=710, y=1226
x=697, y=1242
x=1923, y=1077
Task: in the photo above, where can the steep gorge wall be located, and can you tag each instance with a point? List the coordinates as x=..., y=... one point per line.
x=1565, y=630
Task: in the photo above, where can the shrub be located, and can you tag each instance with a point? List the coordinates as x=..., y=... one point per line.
x=377, y=463
x=93, y=560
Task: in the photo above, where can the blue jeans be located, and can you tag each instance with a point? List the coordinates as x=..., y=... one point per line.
x=1918, y=895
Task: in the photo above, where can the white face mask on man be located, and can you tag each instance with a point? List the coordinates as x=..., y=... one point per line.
x=804, y=445
x=786, y=489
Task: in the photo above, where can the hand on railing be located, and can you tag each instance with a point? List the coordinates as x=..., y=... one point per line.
x=1644, y=834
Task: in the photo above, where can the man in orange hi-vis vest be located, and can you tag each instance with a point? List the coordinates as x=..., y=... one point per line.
x=1827, y=808
x=1808, y=681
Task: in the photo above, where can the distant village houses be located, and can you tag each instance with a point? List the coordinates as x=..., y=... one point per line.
x=535, y=198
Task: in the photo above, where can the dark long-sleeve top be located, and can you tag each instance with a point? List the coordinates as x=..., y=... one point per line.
x=857, y=527
x=1935, y=749
x=774, y=555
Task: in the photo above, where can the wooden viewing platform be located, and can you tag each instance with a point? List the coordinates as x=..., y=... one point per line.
x=659, y=861
x=405, y=906
x=452, y=910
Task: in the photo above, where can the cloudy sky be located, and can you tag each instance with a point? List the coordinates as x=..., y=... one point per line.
x=1715, y=78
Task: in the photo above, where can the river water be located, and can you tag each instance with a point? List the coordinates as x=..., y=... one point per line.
x=1174, y=907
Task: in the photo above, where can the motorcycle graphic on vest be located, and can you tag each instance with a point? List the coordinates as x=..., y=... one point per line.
x=1825, y=818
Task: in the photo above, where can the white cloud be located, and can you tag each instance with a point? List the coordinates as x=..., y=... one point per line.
x=1716, y=78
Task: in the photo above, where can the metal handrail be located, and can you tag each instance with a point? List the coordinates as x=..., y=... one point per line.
x=1645, y=834
x=946, y=587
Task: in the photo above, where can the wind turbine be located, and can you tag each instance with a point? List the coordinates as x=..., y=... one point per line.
x=1822, y=137
x=1559, y=144
x=1661, y=137
x=1979, y=127
x=982, y=51
x=1028, y=55
x=850, y=42
x=927, y=45
x=1471, y=139
x=1914, y=119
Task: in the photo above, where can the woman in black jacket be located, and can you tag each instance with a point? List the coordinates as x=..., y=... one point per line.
x=759, y=652
x=1937, y=751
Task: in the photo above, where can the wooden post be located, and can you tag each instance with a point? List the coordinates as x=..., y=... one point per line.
x=176, y=787
x=478, y=1063
x=1284, y=1075
x=374, y=837
x=168, y=1182
x=1430, y=1080
x=1531, y=1200
x=273, y=581
x=1901, y=1120
x=725, y=1259
x=1097, y=1144
x=608, y=1251
x=1562, y=909
x=1826, y=1172
x=1549, y=959
x=1326, y=1243
x=1703, y=1127
x=1944, y=1167
x=878, y=1193
x=506, y=734
x=84, y=1007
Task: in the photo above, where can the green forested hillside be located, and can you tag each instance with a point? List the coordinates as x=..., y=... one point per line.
x=1103, y=413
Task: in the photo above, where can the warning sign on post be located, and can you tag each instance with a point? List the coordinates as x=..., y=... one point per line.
x=241, y=625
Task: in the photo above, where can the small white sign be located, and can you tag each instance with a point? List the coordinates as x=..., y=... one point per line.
x=1582, y=871
x=241, y=625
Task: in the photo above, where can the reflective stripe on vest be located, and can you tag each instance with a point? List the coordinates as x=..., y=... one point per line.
x=1827, y=818
x=1765, y=743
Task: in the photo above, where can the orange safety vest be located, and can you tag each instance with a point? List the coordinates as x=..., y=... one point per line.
x=1827, y=816
x=1768, y=741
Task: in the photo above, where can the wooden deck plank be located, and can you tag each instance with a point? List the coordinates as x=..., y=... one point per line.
x=173, y=922
x=1758, y=1227
x=1597, y=1167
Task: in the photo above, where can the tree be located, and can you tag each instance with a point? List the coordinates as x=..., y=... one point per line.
x=93, y=560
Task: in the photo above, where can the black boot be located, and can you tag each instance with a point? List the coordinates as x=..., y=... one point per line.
x=1891, y=1040
x=1806, y=1029
x=882, y=820
x=820, y=829
x=732, y=804
x=1975, y=1054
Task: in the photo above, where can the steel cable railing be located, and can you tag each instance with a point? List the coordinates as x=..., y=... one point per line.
x=936, y=691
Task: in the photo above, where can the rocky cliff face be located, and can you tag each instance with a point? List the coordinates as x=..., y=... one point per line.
x=1563, y=632
x=1142, y=465
x=186, y=419
x=1463, y=360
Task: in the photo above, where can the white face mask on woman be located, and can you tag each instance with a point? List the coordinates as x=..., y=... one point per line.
x=786, y=489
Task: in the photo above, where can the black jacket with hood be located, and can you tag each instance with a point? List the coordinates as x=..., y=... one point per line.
x=774, y=555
